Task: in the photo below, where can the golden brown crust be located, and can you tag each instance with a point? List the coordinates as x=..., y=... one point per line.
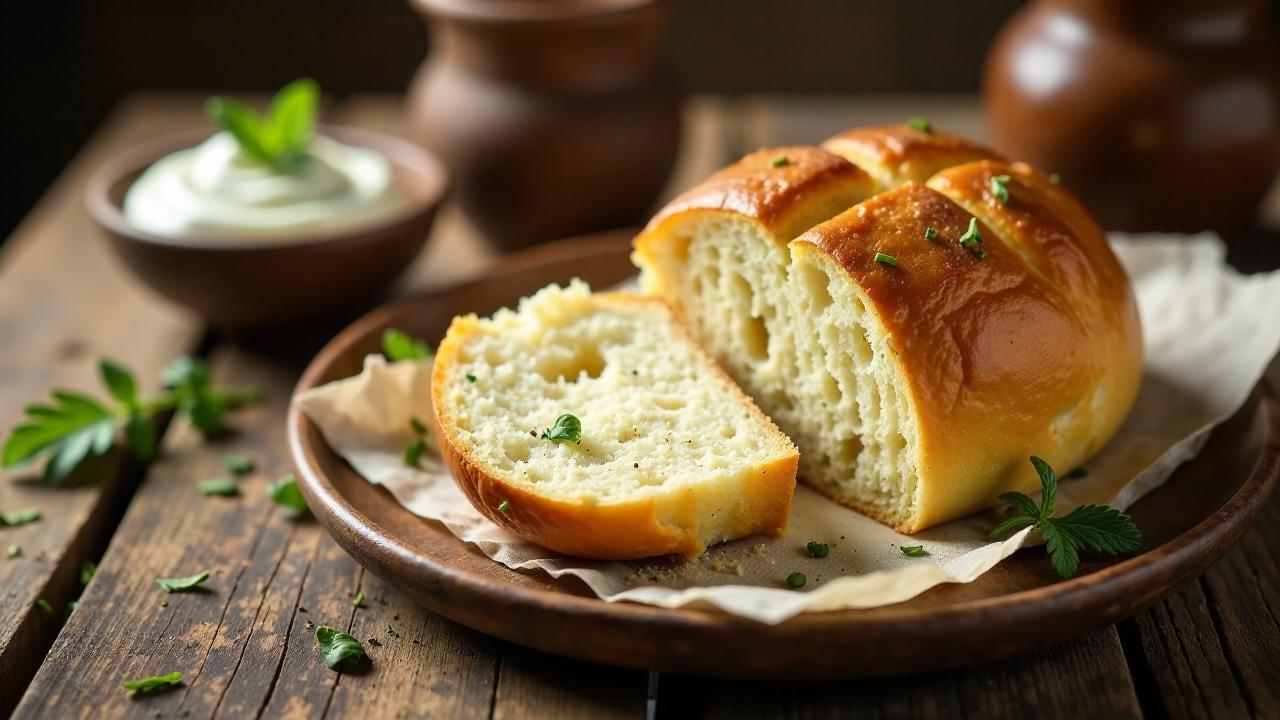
x=777, y=194
x=667, y=525
x=896, y=154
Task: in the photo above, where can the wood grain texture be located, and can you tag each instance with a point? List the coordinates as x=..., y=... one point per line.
x=63, y=304
x=1082, y=678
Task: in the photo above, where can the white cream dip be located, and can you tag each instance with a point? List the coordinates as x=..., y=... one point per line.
x=215, y=190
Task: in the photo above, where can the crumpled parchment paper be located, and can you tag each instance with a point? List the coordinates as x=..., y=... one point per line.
x=1209, y=335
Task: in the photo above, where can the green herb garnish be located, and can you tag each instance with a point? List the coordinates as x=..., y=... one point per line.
x=920, y=123
x=399, y=345
x=237, y=464
x=912, y=550
x=279, y=139
x=13, y=551
x=359, y=601
x=471, y=378
x=285, y=493
x=75, y=427
x=818, y=550
x=797, y=580
x=567, y=429
x=416, y=425
x=224, y=487
x=44, y=606
x=1000, y=187
x=20, y=517
x=87, y=571
x=172, y=585
x=157, y=682
x=504, y=506
x=972, y=236
x=884, y=259
x=1100, y=528
x=780, y=161
x=930, y=233
x=413, y=453
x=342, y=652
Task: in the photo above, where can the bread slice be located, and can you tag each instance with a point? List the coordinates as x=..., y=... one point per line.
x=673, y=456
x=916, y=386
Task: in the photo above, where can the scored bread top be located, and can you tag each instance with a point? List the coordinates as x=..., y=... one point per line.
x=672, y=455
x=1027, y=342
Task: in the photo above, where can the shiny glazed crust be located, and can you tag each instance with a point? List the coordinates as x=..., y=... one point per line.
x=671, y=524
x=1034, y=349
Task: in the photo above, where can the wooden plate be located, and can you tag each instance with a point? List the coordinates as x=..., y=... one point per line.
x=1018, y=606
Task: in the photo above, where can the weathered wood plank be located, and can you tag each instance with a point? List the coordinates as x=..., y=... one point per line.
x=64, y=303
x=1210, y=649
x=1084, y=678
x=536, y=685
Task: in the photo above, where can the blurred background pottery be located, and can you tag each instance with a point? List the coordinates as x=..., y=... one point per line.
x=243, y=284
x=552, y=115
x=1159, y=115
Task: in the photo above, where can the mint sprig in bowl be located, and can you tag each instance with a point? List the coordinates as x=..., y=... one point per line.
x=269, y=218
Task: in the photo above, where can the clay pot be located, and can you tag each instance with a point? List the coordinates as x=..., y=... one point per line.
x=1158, y=114
x=552, y=115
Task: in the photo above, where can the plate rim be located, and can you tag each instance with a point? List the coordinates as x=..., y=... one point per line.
x=1180, y=558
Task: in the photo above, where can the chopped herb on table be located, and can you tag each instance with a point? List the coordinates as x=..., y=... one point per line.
x=399, y=345
x=342, y=651
x=13, y=551
x=359, y=601
x=567, y=428
x=87, y=571
x=237, y=464
x=818, y=550
x=156, y=682
x=20, y=517
x=44, y=606
x=74, y=427
x=1100, y=528
x=797, y=580
x=172, y=585
x=285, y=493
x=912, y=550
x=225, y=487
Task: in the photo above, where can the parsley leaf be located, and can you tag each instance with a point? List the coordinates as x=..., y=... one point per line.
x=237, y=464
x=972, y=236
x=1000, y=187
x=912, y=550
x=20, y=517
x=567, y=429
x=1099, y=528
x=281, y=137
x=73, y=428
x=156, y=682
x=399, y=345
x=226, y=487
x=172, y=585
x=120, y=383
x=285, y=493
x=341, y=650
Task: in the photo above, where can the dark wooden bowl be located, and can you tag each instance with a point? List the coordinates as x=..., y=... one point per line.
x=1019, y=606
x=240, y=284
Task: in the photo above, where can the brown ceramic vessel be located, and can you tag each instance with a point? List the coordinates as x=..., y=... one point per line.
x=246, y=284
x=552, y=115
x=1158, y=115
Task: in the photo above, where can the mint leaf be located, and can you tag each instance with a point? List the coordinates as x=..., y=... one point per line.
x=225, y=487
x=120, y=383
x=172, y=585
x=157, y=682
x=285, y=493
x=243, y=123
x=1101, y=528
x=1048, y=486
x=342, y=652
x=72, y=428
x=567, y=429
x=20, y=517
x=290, y=122
x=398, y=345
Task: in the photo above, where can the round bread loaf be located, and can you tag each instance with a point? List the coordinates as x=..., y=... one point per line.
x=918, y=315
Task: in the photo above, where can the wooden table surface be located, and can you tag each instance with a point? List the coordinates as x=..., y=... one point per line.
x=245, y=645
